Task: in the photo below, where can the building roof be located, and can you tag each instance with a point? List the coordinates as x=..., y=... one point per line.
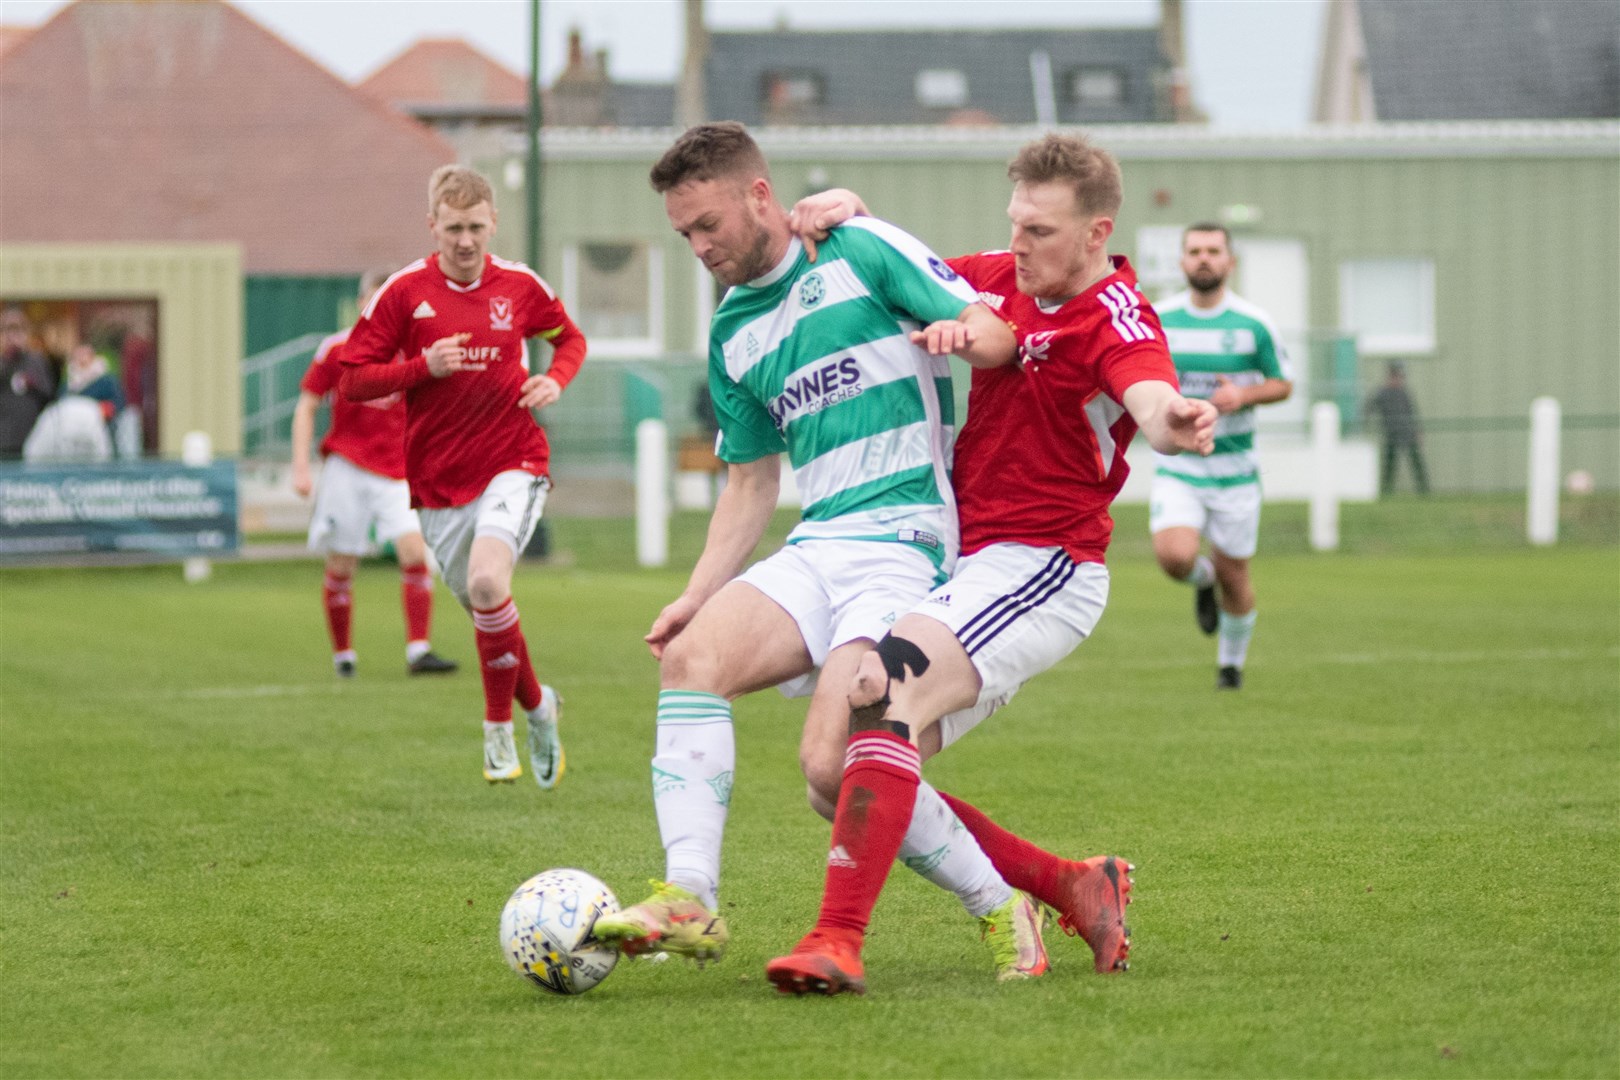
x=643, y=104
x=445, y=71
x=165, y=121
x=12, y=36
x=872, y=76
x=1465, y=60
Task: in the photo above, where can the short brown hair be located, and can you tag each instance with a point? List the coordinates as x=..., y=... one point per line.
x=709, y=152
x=1206, y=226
x=1093, y=172
x=461, y=187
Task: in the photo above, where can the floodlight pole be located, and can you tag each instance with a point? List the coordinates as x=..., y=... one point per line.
x=541, y=544
x=532, y=172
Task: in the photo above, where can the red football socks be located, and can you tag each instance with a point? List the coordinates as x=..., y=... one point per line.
x=501, y=657
x=1021, y=864
x=875, y=802
x=416, y=593
x=528, y=684
x=337, y=593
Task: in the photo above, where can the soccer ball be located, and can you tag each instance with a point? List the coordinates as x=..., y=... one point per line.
x=546, y=931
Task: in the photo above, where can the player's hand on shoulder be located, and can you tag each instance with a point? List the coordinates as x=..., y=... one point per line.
x=670, y=622
x=447, y=355
x=814, y=216
x=538, y=391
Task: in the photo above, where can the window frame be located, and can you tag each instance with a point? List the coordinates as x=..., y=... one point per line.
x=1422, y=341
x=629, y=347
x=1076, y=98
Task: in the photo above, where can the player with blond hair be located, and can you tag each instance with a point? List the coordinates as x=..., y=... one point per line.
x=1039, y=460
x=476, y=460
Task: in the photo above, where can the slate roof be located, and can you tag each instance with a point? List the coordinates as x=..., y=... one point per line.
x=1493, y=59
x=164, y=121
x=869, y=76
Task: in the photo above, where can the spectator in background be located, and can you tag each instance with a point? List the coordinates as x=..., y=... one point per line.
x=138, y=363
x=26, y=383
x=87, y=376
x=1397, y=416
x=78, y=425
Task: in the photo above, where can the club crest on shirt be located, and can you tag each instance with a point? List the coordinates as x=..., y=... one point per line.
x=1035, y=346
x=500, y=313
x=941, y=271
x=811, y=291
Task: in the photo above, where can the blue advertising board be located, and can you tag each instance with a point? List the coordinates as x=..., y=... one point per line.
x=157, y=508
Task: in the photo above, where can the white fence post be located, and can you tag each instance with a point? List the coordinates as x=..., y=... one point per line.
x=652, y=493
x=1324, y=476
x=196, y=452
x=1541, y=516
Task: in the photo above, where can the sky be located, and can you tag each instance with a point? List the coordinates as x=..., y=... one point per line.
x=1252, y=62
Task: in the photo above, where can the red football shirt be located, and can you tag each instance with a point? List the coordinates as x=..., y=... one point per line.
x=369, y=433
x=463, y=429
x=1042, y=453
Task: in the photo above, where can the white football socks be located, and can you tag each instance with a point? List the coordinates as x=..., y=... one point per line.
x=940, y=848
x=691, y=775
x=1232, y=645
x=1202, y=575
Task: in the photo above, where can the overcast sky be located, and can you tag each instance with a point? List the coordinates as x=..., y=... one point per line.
x=1253, y=61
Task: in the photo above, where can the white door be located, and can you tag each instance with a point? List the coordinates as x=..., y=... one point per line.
x=1272, y=272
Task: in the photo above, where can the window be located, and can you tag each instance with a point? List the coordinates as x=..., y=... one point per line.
x=941, y=88
x=1097, y=86
x=1388, y=304
x=614, y=291
x=789, y=90
x=1158, y=260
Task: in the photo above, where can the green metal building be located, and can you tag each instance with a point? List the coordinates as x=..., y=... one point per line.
x=1484, y=255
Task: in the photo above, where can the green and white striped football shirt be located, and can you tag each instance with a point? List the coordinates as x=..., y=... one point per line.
x=1236, y=340
x=813, y=359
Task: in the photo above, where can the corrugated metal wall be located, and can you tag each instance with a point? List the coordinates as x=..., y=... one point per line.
x=198, y=289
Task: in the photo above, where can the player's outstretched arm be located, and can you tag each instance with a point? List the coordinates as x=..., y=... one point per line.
x=1172, y=424
x=741, y=515
x=813, y=216
x=977, y=335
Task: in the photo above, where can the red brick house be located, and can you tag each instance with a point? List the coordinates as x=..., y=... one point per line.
x=169, y=121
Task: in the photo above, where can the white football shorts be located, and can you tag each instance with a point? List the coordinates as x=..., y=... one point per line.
x=1017, y=610
x=349, y=500
x=509, y=510
x=839, y=591
x=1229, y=516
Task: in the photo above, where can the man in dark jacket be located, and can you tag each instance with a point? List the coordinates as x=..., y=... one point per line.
x=26, y=382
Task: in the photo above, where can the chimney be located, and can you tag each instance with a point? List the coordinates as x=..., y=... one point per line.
x=691, y=103
x=1172, y=43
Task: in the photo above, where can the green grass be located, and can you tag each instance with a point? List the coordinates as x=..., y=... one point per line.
x=1394, y=854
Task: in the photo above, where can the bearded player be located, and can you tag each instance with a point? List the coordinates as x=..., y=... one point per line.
x=476, y=459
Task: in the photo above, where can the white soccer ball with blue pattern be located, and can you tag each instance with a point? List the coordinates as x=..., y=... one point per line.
x=547, y=931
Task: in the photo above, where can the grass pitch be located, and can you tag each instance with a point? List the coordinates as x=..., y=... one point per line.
x=1394, y=853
